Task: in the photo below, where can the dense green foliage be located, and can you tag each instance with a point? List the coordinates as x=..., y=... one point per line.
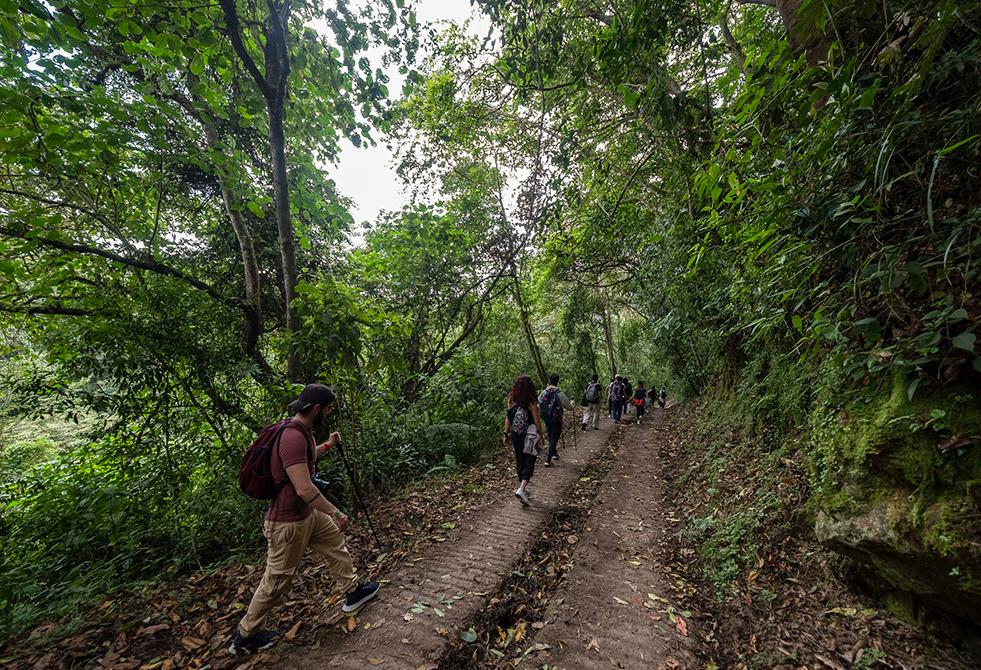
x=776, y=197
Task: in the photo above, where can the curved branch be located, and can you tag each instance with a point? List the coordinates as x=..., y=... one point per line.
x=235, y=35
x=149, y=265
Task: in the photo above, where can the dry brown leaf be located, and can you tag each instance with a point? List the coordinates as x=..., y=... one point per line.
x=150, y=630
x=376, y=660
x=956, y=442
x=192, y=643
x=44, y=661
x=291, y=633
x=351, y=624
x=681, y=625
x=594, y=645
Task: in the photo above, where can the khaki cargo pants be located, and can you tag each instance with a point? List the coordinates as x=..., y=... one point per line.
x=591, y=414
x=287, y=540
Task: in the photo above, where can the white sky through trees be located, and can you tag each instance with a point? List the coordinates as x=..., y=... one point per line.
x=366, y=174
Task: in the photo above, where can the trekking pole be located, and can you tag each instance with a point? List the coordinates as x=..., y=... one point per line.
x=357, y=494
x=354, y=480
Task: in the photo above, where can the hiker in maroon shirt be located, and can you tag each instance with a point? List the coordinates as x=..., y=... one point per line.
x=300, y=517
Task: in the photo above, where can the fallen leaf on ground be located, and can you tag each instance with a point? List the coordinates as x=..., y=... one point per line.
x=351, y=624
x=594, y=645
x=291, y=633
x=681, y=625
x=150, y=630
x=843, y=611
x=192, y=643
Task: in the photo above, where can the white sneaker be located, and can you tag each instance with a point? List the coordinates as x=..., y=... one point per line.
x=522, y=496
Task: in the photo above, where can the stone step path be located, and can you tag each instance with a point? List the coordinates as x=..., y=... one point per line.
x=402, y=628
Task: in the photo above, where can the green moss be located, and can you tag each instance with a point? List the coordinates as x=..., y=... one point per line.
x=900, y=605
x=866, y=448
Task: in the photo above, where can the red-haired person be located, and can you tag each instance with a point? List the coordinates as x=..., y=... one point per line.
x=523, y=426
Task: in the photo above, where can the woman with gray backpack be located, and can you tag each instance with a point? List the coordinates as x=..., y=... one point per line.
x=523, y=426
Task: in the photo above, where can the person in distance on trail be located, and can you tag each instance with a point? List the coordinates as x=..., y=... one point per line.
x=590, y=403
x=617, y=395
x=551, y=402
x=639, y=400
x=523, y=426
x=300, y=517
x=609, y=396
x=627, y=394
x=662, y=397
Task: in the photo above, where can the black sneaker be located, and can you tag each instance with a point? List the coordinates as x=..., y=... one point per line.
x=359, y=596
x=253, y=643
x=555, y=457
x=584, y=428
x=548, y=463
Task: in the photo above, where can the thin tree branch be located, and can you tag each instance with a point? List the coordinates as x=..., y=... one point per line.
x=151, y=266
x=235, y=35
x=45, y=309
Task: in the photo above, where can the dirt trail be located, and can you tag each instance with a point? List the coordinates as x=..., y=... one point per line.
x=615, y=609
x=424, y=603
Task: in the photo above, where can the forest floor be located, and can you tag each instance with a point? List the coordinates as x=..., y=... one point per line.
x=595, y=574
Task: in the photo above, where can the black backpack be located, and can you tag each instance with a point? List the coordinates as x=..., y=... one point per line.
x=551, y=406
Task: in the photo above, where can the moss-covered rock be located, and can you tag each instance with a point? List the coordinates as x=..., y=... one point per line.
x=886, y=495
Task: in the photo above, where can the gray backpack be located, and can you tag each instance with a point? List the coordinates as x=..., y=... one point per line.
x=520, y=418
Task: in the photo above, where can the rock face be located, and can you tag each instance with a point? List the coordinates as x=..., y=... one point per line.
x=888, y=496
x=883, y=540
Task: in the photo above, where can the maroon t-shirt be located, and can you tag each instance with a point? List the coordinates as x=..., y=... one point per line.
x=295, y=446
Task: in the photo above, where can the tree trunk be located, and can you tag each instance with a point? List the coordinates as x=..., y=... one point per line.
x=272, y=85
x=250, y=268
x=536, y=354
x=803, y=33
x=284, y=224
x=608, y=339
x=250, y=264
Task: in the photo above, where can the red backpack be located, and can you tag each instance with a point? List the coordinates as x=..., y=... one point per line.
x=255, y=474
